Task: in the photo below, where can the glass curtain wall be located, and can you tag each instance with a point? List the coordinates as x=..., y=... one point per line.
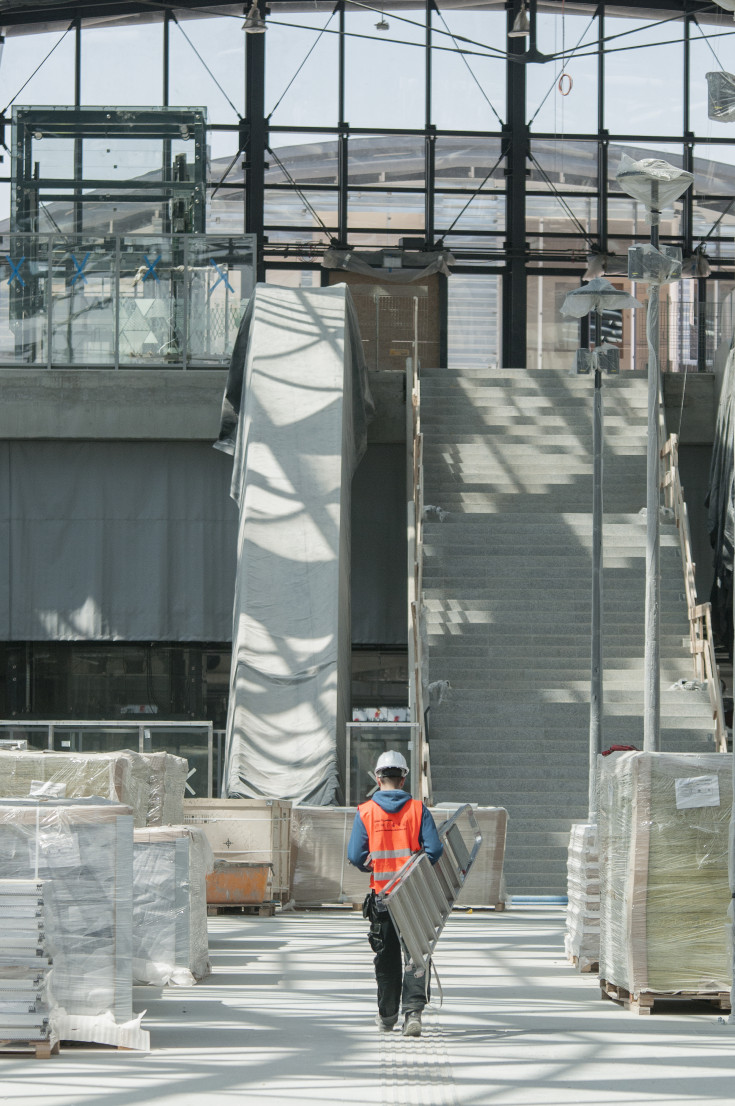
x=377, y=126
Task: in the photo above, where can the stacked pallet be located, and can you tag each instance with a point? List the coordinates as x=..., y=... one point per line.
x=82, y=851
x=151, y=784
x=582, y=938
x=664, y=893
x=170, y=866
x=24, y=968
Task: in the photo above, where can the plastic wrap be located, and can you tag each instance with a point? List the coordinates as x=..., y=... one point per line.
x=720, y=96
x=170, y=866
x=321, y=874
x=582, y=938
x=653, y=182
x=319, y=869
x=664, y=893
x=485, y=883
x=151, y=784
x=83, y=851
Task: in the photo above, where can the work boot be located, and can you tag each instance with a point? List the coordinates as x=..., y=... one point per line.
x=412, y=1024
x=385, y=1025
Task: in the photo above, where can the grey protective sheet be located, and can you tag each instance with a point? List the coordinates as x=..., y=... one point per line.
x=295, y=421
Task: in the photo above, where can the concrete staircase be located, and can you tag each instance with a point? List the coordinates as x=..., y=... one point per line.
x=507, y=579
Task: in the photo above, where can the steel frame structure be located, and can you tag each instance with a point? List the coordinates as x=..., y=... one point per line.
x=505, y=251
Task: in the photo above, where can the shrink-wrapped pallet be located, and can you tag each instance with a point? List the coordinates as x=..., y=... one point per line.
x=582, y=938
x=82, y=850
x=320, y=872
x=151, y=784
x=664, y=895
x=170, y=866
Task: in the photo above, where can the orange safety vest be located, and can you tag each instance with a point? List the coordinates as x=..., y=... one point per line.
x=392, y=838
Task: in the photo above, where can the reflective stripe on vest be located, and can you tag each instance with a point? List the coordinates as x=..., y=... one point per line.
x=392, y=838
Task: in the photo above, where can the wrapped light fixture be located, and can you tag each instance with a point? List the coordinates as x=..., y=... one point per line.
x=521, y=26
x=254, y=23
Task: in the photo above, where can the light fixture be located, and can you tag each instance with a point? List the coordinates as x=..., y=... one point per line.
x=254, y=23
x=382, y=24
x=521, y=27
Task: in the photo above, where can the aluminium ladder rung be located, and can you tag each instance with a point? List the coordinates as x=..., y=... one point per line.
x=421, y=896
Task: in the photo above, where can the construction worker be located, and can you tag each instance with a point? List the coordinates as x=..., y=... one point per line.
x=387, y=830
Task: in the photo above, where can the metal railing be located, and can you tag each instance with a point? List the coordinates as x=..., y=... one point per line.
x=122, y=301
x=421, y=896
x=701, y=643
x=111, y=735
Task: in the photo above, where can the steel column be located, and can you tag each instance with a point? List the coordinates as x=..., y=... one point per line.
x=515, y=137
x=257, y=133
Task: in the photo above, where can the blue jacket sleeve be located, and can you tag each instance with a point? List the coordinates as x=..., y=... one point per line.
x=429, y=838
x=358, y=848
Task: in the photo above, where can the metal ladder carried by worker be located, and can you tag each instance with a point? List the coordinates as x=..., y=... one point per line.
x=421, y=896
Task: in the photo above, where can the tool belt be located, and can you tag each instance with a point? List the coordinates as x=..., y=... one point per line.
x=374, y=912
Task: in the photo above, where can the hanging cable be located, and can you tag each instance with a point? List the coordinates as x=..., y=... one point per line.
x=476, y=193
x=201, y=59
x=310, y=52
x=298, y=191
x=561, y=200
x=469, y=67
x=706, y=39
x=226, y=173
x=39, y=66
x=554, y=82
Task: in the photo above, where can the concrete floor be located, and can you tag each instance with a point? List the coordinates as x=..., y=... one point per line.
x=287, y=1017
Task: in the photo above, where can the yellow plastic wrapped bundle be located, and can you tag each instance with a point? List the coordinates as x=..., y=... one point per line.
x=664, y=893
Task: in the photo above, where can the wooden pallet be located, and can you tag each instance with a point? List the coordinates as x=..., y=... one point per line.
x=646, y=1001
x=593, y=967
x=254, y=909
x=41, y=1049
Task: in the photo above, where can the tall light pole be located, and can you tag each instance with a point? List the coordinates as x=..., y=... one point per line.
x=656, y=184
x=596, y=296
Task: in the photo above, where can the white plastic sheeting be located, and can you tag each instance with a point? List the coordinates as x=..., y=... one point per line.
x=294, y=419
x=170, y=865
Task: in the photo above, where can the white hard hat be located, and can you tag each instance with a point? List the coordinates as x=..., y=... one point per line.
x=391, y=759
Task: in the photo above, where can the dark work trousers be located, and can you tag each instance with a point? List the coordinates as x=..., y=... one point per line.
x=395, y=986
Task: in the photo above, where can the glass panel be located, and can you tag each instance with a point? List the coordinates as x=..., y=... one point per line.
x=468, y=88
x=23, y=300
x=309, y=97
x=466, y=162
x=35, y=737
x=83, y=303
x=367, y=743
x=380, y=159
x=305, y=159
x=93, y=740
x=704, y=59
x=644, y=87
x=552, y=338
x=562, y=95
x=384, y=77
x=549, y=215
x=191, y=744
x=465, y=214
x=474, y=320
x=289, y=209
x=128, y=58
x=569, y=163
x=714, y=169
x=393, y=211
x=220, y=275
x=222, y=47
x=151, y=301
x=54, y=81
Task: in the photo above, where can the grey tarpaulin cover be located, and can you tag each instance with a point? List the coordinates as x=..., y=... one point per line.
x=295, y=420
